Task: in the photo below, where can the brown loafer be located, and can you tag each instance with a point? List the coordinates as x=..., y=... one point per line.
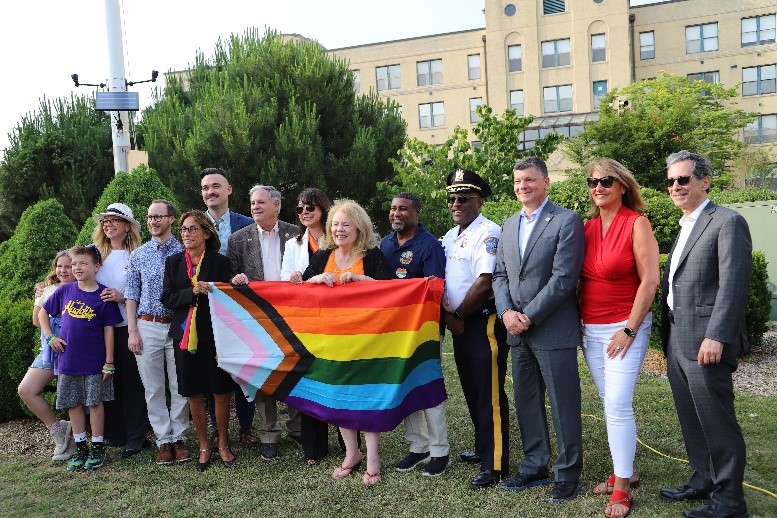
x=181, y=452
x=165, y=454
x=247, y=437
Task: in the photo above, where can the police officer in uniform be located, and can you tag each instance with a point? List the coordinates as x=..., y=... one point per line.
x=479, y=337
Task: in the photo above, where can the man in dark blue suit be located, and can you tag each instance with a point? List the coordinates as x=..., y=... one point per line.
x=216, y=190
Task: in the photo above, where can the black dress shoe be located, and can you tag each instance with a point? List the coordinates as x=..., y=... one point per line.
x=485, y=478
x=470, y=457
x=715, y=510
x=523, y=481
x=130, y=451
x=564, y=491
x=681, y=494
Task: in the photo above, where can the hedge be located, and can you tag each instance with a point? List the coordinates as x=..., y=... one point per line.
x=18, y=346
x=25, y=258
x=137, y=190
x=756, y=313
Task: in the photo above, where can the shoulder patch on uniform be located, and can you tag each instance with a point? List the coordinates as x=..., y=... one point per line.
x=491, y=243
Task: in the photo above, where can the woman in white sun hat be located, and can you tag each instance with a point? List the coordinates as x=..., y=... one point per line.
x=116, y=235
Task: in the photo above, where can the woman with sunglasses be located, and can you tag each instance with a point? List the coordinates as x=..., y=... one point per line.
x=619, y=280
x=350, y=253
x=116, y=235
x=312, y=210
x=185, y=292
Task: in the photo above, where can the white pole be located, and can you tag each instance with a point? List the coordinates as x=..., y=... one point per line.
x=117, y=83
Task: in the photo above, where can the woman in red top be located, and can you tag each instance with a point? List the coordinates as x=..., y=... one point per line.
x=619, y=280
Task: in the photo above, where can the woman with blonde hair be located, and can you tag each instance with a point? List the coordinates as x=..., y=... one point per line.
x=116, y=235
x=350, y=253
x=617, y=285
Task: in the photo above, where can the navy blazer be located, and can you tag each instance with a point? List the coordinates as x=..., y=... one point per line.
x=238, y=221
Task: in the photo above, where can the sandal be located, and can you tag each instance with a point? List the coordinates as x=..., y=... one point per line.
x=342, y=471
x=606, y=488
x=369, y=479
x=621, y=498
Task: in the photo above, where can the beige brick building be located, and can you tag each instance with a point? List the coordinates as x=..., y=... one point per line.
x=555, y=59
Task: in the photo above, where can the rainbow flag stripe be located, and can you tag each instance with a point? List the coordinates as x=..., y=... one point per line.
x=362, y=356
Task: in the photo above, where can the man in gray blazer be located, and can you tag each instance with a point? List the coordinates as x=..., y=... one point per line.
x=255, y=254
x=538, y=262
x=705, y=292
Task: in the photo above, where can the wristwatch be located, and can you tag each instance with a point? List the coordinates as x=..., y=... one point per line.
x=629, y=332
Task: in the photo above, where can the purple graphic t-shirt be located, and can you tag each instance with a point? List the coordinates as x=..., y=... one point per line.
x=84, y=315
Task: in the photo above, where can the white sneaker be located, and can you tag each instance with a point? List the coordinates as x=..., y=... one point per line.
x=64, y=445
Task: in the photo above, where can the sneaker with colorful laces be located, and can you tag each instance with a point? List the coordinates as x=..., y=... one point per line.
x=96, y=456
x=78, y=460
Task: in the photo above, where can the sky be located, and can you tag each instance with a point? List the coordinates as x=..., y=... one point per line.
x=43, y=42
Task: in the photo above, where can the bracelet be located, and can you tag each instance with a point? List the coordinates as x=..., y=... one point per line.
x=107, y=369
x=50, y=339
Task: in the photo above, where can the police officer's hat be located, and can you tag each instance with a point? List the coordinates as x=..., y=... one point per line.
x=464, y=180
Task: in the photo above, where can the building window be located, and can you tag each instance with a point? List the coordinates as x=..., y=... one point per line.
x=516, y=101
x=473, y=67
x=758, y=30
x=514, y=58
x=759, y=80
x=431, y=115
x=647, y=47
x=598, y=48
x=599, y=90
x=557, y=98
x=357, y=81
x=474, y=118
x=388, y=78
x=552, y=6
x=429, y=72
x=555, y=53
x=701, y=38
x=708, y=77
x=762, y=129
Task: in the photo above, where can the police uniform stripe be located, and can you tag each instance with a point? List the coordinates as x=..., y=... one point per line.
x=496, y=411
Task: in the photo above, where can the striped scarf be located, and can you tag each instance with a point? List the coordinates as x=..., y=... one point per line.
x=189, y=340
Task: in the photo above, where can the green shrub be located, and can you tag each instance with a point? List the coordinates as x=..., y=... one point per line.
x=499, y=211
x=756, y=313
x=18, y=347
x=137, y=190
x=744, y=195
x=25, y=258
x=572, y=194
x=664, y=217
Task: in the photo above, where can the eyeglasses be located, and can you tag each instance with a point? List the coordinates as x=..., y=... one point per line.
x=461, y=200
x=156, y=218
x=190, y=230
x=606, y=182
x=306, y=208
x=682, y=180
x=111, y=221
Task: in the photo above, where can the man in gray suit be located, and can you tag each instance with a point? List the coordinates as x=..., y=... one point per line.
x=538, y=262
x=255, y=254
x=705, y=291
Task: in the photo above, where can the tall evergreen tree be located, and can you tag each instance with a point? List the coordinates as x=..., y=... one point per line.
x=62, y=151
x=276, y=111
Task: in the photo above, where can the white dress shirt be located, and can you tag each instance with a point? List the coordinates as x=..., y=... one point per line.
x=686, y=226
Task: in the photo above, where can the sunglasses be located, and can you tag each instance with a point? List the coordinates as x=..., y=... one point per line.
x=461, y=200
x=606, y=182
x=682, y=180
x=305, y=208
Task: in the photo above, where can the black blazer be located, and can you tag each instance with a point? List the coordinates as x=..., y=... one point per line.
x=178, y=294
x=375, y=265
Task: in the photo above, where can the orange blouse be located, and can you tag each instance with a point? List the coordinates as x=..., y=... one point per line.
x=356, y=268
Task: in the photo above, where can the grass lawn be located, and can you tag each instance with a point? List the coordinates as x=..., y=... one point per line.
x=33, y=486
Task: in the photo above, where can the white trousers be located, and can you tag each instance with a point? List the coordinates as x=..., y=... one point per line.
x=171, y=423
x=615, y=379
x=427, y=430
